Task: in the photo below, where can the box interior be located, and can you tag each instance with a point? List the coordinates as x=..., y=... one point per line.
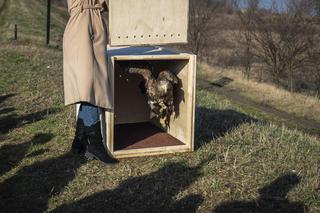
x=133, y=127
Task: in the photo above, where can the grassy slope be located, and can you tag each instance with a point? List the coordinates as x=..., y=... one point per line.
x=238, y=157
x=266, y=94
x=30, y=16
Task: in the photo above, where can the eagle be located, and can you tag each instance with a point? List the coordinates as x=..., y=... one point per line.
x=159, y=91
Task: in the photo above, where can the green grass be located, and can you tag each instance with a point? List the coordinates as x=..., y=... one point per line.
x=30, y=16
x=240, y=161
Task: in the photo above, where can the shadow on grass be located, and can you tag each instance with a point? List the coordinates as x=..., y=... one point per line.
x=7, y=110
x=11, y=155
x=211, y=123
x=12, y=121
x=273, y=198
x=155, y=192
x=30, y=189
x=5, y=97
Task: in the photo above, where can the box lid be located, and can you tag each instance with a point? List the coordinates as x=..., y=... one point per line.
x=148, y=22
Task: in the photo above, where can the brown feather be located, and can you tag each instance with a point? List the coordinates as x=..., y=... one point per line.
x=159, y=91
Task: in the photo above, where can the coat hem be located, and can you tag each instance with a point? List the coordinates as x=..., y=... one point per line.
x=106, y=107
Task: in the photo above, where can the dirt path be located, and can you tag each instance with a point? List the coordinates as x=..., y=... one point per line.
x=290, y=120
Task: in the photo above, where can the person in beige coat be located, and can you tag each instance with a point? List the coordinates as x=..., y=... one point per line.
x=85, y=73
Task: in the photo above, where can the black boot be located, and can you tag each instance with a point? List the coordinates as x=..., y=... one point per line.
x=95, y=148
x=79, y=143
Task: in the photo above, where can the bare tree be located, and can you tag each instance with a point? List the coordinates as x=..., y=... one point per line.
x=282, y=44
x=201, y=15
x=314, y=59
x=245, y=36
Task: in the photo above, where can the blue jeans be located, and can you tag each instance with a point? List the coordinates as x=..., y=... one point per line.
x=89, y=114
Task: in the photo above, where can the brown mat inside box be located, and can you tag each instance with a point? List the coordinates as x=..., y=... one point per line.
x=141, y=135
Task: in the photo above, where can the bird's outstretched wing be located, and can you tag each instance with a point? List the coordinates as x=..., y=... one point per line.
x=146, y=73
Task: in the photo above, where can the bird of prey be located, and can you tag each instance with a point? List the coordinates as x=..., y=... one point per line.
x=159, y=92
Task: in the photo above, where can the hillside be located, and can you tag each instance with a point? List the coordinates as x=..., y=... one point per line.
x=242, y=158
x=294, y=110
x=30, y=16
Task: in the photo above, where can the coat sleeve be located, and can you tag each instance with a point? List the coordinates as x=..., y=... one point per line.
x=105, y=18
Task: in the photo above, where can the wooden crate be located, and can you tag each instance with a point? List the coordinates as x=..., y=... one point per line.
x=148, y=22
x=129, y=131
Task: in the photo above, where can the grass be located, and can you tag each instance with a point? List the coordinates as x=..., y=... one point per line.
x=30, y=16
x=269, y=95
x=240, y=161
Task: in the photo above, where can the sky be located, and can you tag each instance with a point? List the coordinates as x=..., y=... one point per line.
x=268, y=3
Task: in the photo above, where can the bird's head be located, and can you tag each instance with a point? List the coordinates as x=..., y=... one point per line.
x=168, y=76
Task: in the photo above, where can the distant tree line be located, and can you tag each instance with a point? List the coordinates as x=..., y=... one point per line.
x=284, y=40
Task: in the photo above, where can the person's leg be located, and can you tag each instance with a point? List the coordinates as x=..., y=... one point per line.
x=89, y=114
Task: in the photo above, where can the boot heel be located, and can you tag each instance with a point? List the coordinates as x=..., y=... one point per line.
x=95, y=146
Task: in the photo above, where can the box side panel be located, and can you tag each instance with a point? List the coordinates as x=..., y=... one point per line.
x=179, y=122
x=143, y=22
x=193, y=76
x=109, y=114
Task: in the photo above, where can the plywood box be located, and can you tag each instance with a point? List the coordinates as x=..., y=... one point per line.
x=129, y=131
x=148, y=22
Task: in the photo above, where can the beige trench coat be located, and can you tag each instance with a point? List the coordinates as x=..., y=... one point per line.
x=85, y=73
